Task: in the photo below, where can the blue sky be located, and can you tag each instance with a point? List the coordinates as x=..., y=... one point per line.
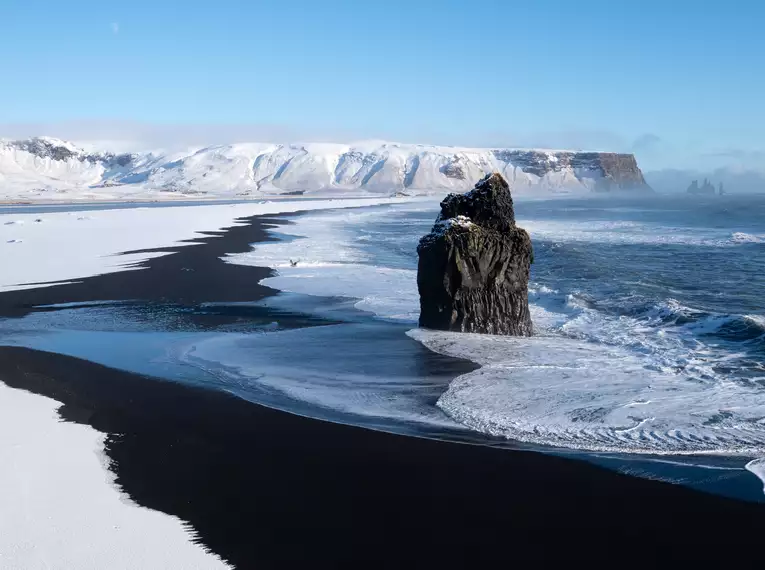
x=681, y=83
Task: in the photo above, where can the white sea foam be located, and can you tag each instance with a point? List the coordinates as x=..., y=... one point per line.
x=757, y=467
x=741, y=237
x=570, y=393
x=604, y=231
x=332, y=260
x=632, y=232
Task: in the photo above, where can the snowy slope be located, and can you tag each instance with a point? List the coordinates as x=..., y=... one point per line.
x=51, y=169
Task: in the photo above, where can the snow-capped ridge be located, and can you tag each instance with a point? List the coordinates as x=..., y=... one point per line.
x=49, y=168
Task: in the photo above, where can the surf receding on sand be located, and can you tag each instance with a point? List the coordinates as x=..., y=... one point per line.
x=757, y=467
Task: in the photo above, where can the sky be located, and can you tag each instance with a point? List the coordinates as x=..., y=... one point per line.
x=679, y=83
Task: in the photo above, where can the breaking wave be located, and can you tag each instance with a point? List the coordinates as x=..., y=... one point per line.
x=741, y=237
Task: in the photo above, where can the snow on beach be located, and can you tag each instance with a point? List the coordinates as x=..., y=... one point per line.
x=59, y=507
x=38, y=248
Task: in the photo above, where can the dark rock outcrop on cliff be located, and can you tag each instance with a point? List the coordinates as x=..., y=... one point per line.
x=54, y=149
x=473, y=270
x=453, y=169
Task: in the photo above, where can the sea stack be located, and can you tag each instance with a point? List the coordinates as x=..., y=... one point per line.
x=473, y=271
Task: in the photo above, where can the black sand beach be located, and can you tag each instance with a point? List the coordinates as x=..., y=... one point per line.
x=268, y=489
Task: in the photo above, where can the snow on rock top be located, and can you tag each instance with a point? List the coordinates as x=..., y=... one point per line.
x=460, y=221
x=45, y=168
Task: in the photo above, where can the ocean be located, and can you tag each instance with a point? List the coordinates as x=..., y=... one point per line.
x=649, y=353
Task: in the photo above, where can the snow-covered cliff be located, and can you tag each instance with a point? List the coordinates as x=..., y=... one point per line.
x=48, y=169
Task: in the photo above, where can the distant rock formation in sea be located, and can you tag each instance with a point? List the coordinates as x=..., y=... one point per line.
x=473, y=270
x=707, y=188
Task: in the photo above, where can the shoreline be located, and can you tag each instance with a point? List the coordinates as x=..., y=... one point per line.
x=267, y=488
x=263, y=487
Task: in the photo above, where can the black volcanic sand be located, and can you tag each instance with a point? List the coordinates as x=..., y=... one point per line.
x=268, y=489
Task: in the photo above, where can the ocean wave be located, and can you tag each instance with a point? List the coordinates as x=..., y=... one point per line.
x=615, y=232
x=630, y=374
x=729, y=327
x=628, y=232
x=741, y=237
x=609, y=320
x=734, y=328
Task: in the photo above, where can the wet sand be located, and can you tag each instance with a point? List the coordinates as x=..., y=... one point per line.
x=269, y=489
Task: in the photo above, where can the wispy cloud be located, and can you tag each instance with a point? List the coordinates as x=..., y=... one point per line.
x=115, y=27
x=646, y=143
x=748, y=155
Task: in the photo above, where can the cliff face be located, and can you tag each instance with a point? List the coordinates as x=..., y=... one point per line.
x=617, y=171
x=620, y=172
